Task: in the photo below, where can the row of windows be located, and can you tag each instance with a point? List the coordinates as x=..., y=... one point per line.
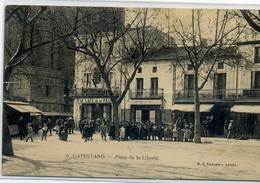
x=140, y=83
x=219, y=66
x=140, y=70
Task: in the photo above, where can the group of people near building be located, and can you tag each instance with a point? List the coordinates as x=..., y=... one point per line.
x=136, y=130
x=180, y=131
x=62, y=126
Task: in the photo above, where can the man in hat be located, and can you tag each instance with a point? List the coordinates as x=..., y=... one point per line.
x=230, y=128
x=30, y=132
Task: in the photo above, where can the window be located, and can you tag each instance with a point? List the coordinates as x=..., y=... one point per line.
x=154, y=86
x=154, y=69
x=139, y=70
x=139, y=86
x=188, y=85
x=256, y=80
x=189, y=66
x=221, y=65
x=257, y=54
x=47, y=90
x=66, y=88
x=87, y=77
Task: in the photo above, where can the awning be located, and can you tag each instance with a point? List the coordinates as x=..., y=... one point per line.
x=191, y=107
x=57, y=113
x=246, y=109
x=24, y=108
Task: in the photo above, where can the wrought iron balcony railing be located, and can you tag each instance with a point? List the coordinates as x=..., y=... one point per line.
x=146, y=93
x=228, y=94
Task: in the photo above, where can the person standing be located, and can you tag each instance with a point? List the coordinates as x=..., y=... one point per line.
x=122, y=133
x=230, y=129
x=206, y=124
x=21, y=127
x=30, y=132
x=44, y=131
x=49, y=126
x=226, y=128
x=103, y=130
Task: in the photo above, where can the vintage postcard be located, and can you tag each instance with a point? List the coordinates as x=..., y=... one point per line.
x=132, y=93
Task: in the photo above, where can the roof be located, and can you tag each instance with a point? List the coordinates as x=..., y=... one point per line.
x=174, y=53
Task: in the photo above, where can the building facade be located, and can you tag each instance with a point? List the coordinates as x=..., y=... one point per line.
x=45, y=80
x=163, y=91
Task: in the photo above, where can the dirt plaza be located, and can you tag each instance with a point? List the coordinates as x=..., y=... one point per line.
x=215, y=158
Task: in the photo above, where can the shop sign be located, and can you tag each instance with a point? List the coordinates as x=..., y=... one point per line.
x=95, y=100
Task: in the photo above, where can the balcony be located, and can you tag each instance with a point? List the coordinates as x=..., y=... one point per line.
x=146, y=94
x=220, y=95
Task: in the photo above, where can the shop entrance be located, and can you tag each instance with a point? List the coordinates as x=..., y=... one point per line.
x=97, y=111
x=145, y=116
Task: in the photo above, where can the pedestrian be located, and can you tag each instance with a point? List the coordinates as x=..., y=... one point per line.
x=230, y=129
x=44, y=131
x=49, y=126
x=175, y=135
x=21, y=127
x=166, y=133
x=122, y=133
x=86, y=132
x=103, y=130
x=30, y=132
x=226, y=127
x=112, y=131
x=186, y=135
x=57, y=125
x=65, y=130
x=206, y=124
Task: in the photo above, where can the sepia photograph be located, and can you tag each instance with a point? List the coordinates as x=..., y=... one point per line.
x=131, y=93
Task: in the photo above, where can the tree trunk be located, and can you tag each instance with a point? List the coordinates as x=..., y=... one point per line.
x=7, y=147
x=197, y=133
x=115, y=119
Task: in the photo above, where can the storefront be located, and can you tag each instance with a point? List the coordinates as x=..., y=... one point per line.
x=93, y=108
x=187, y=111
x=15, y=109
x=145, y=113
x=246, y=120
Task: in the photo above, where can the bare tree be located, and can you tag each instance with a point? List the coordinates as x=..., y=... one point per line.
x=204, y=42
x=27, y=28
x=111, y=44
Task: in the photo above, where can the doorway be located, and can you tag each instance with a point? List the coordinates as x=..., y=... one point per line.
x=145, y=115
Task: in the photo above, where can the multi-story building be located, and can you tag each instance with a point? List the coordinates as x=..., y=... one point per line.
x=150, y=96
x=45, y=80
x=90, y=95
x=163, y=91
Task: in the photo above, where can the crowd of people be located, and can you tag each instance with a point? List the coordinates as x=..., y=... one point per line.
x=181, y=130
x=136, y=130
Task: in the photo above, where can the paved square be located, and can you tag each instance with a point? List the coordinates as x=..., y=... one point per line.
x=214, y=158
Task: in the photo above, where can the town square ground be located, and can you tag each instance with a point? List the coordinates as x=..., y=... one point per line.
x=215, y=159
